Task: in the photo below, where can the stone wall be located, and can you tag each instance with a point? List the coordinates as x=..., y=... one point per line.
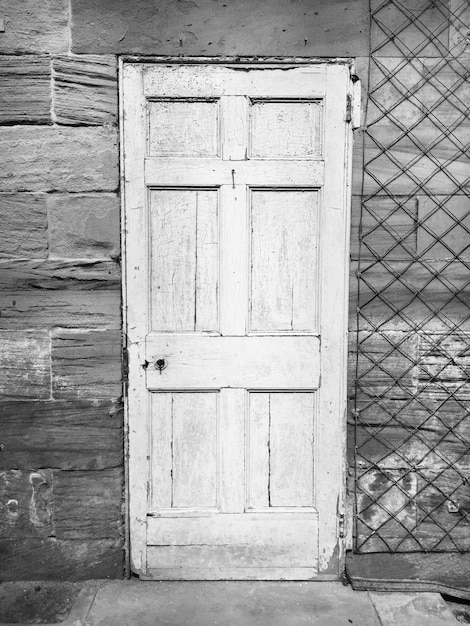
x=61, y=418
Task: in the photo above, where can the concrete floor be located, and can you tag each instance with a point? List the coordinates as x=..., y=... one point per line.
x=137, y=603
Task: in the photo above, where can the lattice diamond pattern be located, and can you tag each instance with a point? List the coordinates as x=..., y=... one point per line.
x=412, y=378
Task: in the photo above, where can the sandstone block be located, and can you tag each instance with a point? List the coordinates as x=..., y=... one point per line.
x=85, y=90
x=25, y=89
x=88, y=504
x=23, y=217
x=35, y=27
x=84, y=226
x=54, y=559
x=25, y=365
x=39, y=158
x=46, y=308
x=83, y=435
x=24, y=274
x=86, y=364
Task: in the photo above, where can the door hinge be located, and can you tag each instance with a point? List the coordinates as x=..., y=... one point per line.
x=341, y=519
x=348, y=108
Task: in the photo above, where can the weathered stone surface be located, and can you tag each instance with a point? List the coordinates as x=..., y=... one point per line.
x=85, y=90
x=21, y=274
x=86, y=364
x=412, y=608
x=67, y=434
x=23, y=217
x=84, y=225
x=39, y=158
x=46, y=308
x=25, y=89
x=26, y=503
x=33, y=27
x=88, y=504
x=280, y=27
x=412, y=33
x=55, y=559
x=25, y=365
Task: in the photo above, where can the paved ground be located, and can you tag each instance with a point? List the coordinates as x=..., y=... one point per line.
x=138, y=603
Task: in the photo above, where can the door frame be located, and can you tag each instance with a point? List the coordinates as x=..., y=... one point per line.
x=333, y=563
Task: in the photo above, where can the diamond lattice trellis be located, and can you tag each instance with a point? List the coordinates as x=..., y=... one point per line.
x=412, y=389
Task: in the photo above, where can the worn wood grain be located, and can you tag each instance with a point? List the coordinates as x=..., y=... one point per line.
x=43, y=158
x=48, y=308
x=292, y=425
x=84, y=225
x=284, y=240
x=24, y=225
x=85, y=89
x=86, y=364
x=88, y=505
x=282, y=130
x=194, y=447
x=56, y=559
x=25, y=365
x=26, y=506
x=182, y=128
x=184, y=260
x=25, y=88
x=86, y=435
x=258, y=451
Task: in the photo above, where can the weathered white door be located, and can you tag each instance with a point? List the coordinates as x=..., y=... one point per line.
x=236, y=246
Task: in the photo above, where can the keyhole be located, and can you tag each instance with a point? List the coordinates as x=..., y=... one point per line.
x=160, y=364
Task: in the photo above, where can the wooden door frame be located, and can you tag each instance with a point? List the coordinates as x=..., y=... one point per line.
x=334, y=563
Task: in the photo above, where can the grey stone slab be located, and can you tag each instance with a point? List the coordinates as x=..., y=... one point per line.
x=23, y=217
x=230, y=604
x=25, y=89
x=85, y=89
x=84, y=226
x=426, y=609
x=235, y=27
x=43, y=158
x=34, y=27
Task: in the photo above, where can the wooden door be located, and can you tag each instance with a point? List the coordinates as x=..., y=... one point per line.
x=236, y=227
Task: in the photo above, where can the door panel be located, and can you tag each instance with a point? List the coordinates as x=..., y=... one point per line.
x=284, y=230
x=236, y=195
x=184, y=259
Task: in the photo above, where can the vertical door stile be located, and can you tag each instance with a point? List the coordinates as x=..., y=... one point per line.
x=233, y=299
x=333, y=284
